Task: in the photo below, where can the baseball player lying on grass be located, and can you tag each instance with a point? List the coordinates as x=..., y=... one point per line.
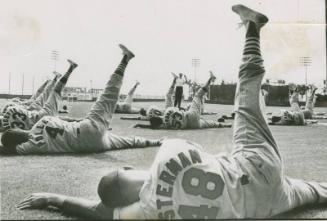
x=53, y=135
x=184, y=182
x=125, y=107
x=295, y=116
x=154, y=111
x=195, y=86
x=308, y=110
x=23, y=117
x=176, y=119
x=37, y=100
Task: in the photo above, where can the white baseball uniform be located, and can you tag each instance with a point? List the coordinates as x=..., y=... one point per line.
x=88, y=135
x=186, y=182
x=19, y=116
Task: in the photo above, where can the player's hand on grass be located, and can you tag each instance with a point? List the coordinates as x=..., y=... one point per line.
x=34, y=201
x=41, y=200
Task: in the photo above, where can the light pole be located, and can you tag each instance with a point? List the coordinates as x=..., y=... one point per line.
x=55, y=58
x=23, y=85
x=305, y=61
x=33, y=84
x=195, y=64
x=9, y=83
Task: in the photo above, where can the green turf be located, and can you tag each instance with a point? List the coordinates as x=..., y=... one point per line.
x=303, y=149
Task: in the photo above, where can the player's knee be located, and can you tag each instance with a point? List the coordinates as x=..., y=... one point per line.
x=109, y=190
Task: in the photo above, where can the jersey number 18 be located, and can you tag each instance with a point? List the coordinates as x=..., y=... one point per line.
x=208, y=185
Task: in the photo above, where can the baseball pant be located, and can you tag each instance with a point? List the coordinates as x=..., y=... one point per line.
x=178, y=96
x=257, y=152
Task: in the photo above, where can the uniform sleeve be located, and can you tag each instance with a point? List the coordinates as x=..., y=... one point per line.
x=26, y=148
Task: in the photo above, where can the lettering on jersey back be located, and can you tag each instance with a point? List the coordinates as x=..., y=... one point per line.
x=195, y=182
x=15, y=119
x=53, y=132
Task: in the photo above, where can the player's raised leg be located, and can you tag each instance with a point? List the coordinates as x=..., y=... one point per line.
x=104, y=107
x=294, y=98
x=250, y=126
x=129, y=98
x=50, y=108
x=39, y=91
x=197, y=103
x=310, y=103
x=169, y=101
x=39, y=102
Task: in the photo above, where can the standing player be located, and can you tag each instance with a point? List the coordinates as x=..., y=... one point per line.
x=179, y=90
x=18, y=116
x=185, y=182
x=53, y=135
x=125, y=107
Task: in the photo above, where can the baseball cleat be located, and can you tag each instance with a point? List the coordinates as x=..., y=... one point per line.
x=73, y=64
x=57, y=74
x=212, y=76
x=126, y=52
x=248, y=14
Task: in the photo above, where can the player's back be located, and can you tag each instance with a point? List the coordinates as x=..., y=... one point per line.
x=18, y=116
x=192, y=119
x=58, y=136
x=186, y=182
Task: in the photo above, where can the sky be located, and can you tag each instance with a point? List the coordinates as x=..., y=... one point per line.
x=165, y=36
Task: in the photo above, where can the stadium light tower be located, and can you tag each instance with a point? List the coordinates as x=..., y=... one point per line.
x=55, y=58
x=9, y=89
x=305, y=61
x=195, y=64
x=23, y=81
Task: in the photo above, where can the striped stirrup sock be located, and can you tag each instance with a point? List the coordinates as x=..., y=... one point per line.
x=122, y=66
x=252, y=46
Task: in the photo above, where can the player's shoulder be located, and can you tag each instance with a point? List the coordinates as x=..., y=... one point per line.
x=47, y=119
x=174, y=148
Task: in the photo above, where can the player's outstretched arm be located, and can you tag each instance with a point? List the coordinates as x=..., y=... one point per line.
x=70, y=119
x=145, y=126
x=69, y=205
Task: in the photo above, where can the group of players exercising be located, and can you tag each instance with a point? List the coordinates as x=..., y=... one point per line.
x=184, y=181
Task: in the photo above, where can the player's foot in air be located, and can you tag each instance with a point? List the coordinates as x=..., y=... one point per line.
x=248, y=14
x=126, y=52
x=57, y=74
x=137, y=82
x=291, y=87
x=313, y=88
x=212, y=76
x=72, y=64
x=174, y=75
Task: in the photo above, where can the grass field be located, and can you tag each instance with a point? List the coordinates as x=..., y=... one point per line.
x=303, y=149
